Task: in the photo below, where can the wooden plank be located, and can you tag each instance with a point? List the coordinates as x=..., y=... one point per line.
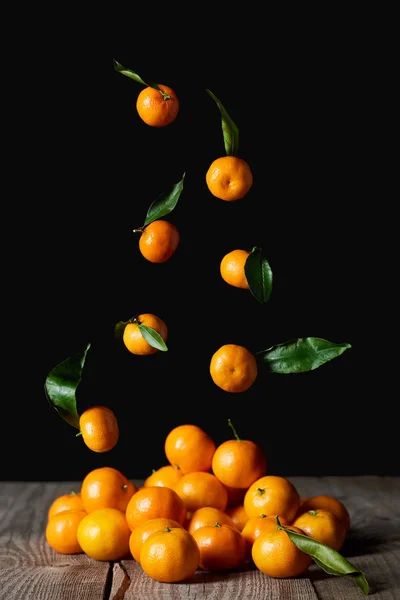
x=29, y=568
x=246, y=585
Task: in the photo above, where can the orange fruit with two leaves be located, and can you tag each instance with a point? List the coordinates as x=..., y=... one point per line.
x=165, y=476
x=229, y=178
x=190, y=448
x=238, y=463
x=222, y=547
x=272, y=495
x=154, y=502
x=140, y=533
x=208, y=515
x=158, y=240
x=238, y=515
x=232, y=268
x=255, y=526
x=329, y=503
x=170, y=555
x=133, y=337
x=323, y=526
x=99, y=428
x=157, y=107
x=104, y=534
x=199, y=488
x=68, y=501
x=62, y=531
x=233, y=368
x=274, y=554
x=106, y=487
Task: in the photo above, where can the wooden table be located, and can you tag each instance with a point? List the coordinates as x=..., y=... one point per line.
x=30, y=569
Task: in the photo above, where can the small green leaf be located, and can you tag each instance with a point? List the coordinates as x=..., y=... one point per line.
x=120, y=328
x=327, y=558
x=229, y=128
x=61, y=385
x=132, y=75
x=152, y=337
x=165, y=203
x=259, y=275
x=302, y=354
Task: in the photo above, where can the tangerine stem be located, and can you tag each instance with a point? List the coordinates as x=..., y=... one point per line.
x=138, y=230
x=234, y=430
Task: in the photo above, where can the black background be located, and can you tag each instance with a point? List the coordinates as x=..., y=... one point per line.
x=85, y=171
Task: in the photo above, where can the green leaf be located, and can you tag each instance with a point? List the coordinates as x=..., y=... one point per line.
x=128, y=73
x=152, y=337
x=61, y=385
x=302, y=354
x=327, y=558
x=132, y=75
x=165, y=203
x=229, y=129
x=120, y=328
x=259, y=275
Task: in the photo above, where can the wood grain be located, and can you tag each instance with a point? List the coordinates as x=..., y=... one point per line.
x=30, y=569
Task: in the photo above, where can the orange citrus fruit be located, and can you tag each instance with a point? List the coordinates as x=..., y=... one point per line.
x=158, y=241
x=61, y=531
x=229, y=178
x=133, y=338
x=272, y=495
x=222, y=547
x=153, y=502
x=99, y=428
x=167, y=476
x=170, y=555
x=106, y=487
x=190, y=448
x=68, y=501
x=233, y=368
x=157, y=108
x=208, y=515
x=140, y=533
x=274, y=554
x=238, y=463
x=199, y=488
x=255, y=526
x=104, y=534
x=238, y=515
x=232, y=268
x=323, y=526
x=329, y=503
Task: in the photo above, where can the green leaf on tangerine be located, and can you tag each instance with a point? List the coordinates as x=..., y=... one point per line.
x=299, y=355
x=165, y=203
x=229, y=128
x=259, y=275
x=120, y=328
x=132, y=75
x=327, y=558
x=152, y=337
x=61, y=385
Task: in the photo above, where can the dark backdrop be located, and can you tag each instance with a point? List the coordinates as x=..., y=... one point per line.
x=87, y=169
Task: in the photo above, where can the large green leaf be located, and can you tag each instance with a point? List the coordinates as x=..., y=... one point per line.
x=152, y=337
x=302, y=354
x=327, y=558
x=229, y=128
x=61, y=385
x=259, y=275
x=165, y=203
